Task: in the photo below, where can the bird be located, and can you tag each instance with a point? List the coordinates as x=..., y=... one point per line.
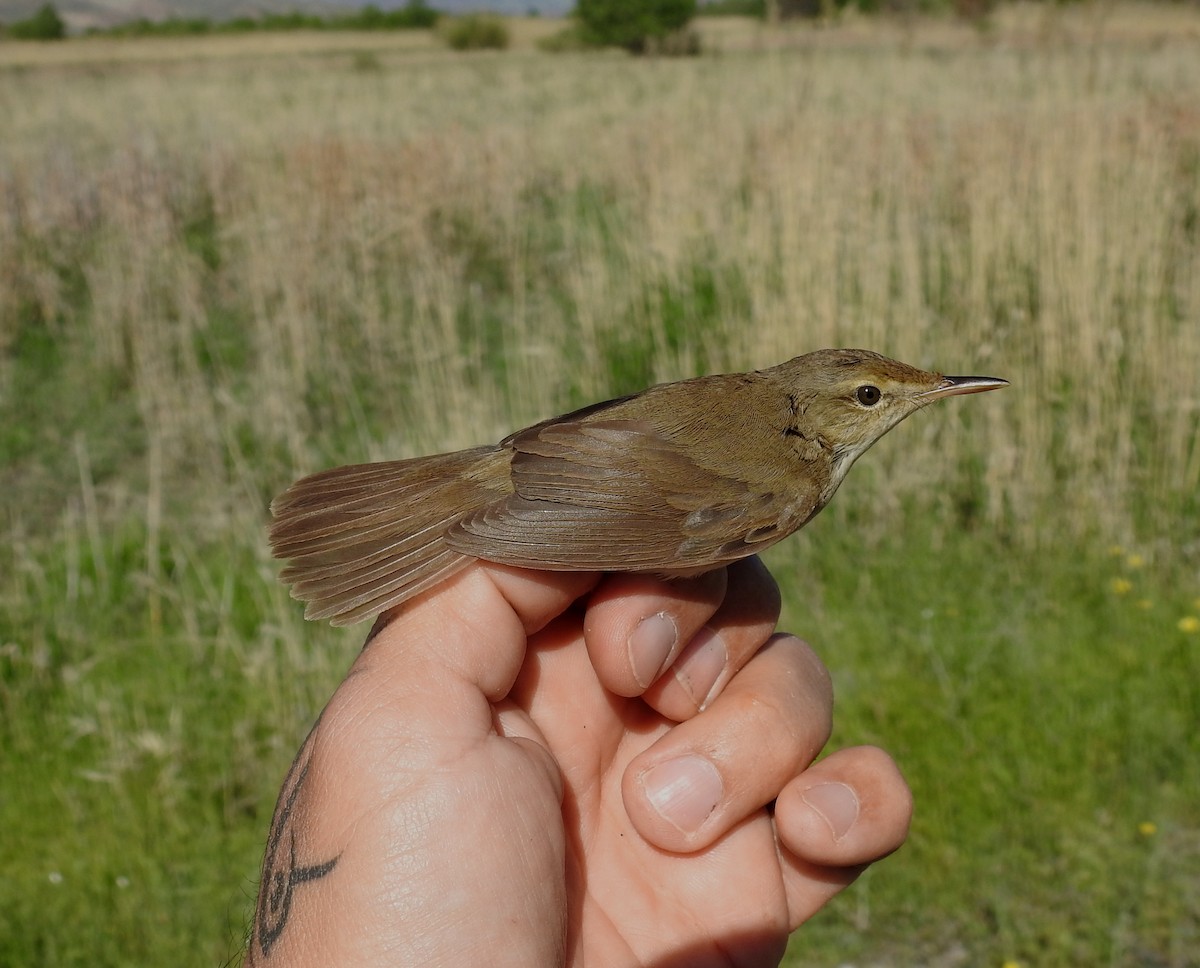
x=679, y=479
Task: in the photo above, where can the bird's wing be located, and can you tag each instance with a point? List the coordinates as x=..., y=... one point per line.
x=613, y=494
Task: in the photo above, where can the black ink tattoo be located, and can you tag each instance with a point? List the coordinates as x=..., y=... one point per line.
x=281, y=872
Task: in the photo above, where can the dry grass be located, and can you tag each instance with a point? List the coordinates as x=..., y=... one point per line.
x=480, y=235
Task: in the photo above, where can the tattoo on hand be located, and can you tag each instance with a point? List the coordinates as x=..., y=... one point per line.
x=281, y=872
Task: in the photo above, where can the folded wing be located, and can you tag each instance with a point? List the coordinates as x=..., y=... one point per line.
x=617, y=495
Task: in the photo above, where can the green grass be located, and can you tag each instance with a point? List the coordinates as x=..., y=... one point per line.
x=218, y=272
x=1042, y=720
x=144, y=730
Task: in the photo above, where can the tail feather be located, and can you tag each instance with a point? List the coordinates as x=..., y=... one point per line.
x=347, y=486
x=370, y=599
x=333, y=574
x=332, y=525
x=334, y=548
x=359, y=540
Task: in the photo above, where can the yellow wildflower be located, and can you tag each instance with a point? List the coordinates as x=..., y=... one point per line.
x=1120, y=586
x=1147, y=828
x=1189, y=624
x=1135, y=561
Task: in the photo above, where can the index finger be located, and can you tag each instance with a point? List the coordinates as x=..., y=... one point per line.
x=677, y=642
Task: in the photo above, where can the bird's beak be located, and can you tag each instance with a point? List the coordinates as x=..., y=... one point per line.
x=953, y=385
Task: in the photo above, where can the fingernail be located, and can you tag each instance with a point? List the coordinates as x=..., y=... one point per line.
x=836, y=804
x=684, y=791
x=649, y=646
x=701, y=665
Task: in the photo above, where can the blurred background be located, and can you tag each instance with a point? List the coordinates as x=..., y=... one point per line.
x=232, y=254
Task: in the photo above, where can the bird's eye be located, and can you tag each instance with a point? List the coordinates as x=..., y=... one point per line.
x=868, y=395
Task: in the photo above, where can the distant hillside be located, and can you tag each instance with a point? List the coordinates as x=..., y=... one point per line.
x=82, y=14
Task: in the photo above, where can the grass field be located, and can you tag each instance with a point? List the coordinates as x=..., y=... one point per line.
x=223, y=265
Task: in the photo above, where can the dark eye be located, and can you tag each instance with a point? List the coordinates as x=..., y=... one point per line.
x=868, y=395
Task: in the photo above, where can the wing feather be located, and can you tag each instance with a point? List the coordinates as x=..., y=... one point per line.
x=618, y=495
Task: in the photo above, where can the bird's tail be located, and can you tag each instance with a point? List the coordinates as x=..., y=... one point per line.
x=359, y=540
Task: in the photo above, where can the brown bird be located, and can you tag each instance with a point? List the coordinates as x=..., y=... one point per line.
x=676, y=480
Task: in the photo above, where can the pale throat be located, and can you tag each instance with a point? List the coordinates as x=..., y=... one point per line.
x=844, y=456
x=843, y=460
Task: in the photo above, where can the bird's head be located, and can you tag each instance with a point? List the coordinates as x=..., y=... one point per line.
x=847, y=399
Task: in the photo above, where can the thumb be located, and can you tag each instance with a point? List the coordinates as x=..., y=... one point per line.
x=472, y=629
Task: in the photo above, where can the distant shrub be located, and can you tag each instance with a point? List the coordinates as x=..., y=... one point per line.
x=734, y=8
x=476, y=31
x=678, y=43
x=240, y=25
x=639, y=26
x=569, y=38
x=291, y=21
x=45, y=24
x=414, y=15
x=171, y=27
x=186, y=26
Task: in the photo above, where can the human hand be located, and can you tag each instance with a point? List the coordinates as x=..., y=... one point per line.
x=505, y=779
